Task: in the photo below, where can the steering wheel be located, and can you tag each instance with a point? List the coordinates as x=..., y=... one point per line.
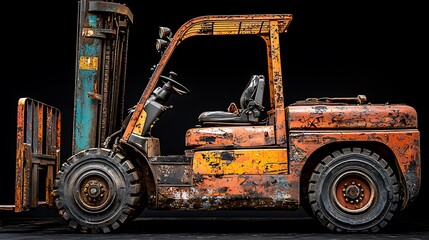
x=178, y=88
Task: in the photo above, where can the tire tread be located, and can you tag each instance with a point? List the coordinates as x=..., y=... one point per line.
x=325, y=163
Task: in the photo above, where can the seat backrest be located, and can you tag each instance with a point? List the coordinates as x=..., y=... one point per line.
x=253, y=93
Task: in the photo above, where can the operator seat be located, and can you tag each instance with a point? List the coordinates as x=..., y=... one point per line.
x=250, y=103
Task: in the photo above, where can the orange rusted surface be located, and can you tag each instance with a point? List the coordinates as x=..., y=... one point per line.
x=245, y=178
x=405, y=145
x=246, y=191
x=37, y=149
x=280, y=124
x=276, y=82
x=20, y=150
x=245, y=161
x=370, y=116
x=237, y=137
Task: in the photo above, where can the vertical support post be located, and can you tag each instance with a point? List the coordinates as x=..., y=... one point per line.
x=87, y=80
x=34, y=185
x=278, y=84
x=270, y=70
x=101, y=51
x=49, y=185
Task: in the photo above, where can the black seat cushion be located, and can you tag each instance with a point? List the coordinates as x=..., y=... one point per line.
x=214, y=116
x=250, y=103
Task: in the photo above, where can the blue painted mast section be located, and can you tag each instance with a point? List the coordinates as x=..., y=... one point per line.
x=86, y=81
x=101, y=52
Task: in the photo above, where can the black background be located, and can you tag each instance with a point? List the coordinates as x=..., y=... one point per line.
x=332, y=48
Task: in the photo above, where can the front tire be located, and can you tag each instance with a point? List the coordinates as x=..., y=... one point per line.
x=354, y=190
x=96, y=190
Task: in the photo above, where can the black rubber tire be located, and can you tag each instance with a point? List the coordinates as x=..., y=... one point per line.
x=96, y=190
x=140, y=206
x=354, y=190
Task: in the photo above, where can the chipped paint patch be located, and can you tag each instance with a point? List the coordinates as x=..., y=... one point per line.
x=237, y=137
x=374, y=116
x=231, y=192
x=244, y=161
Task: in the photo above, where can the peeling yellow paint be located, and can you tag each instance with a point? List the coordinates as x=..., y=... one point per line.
x=245, y=161
x=138, y=128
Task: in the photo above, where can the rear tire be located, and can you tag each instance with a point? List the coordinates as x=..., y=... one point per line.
x=354, y=190
x=96, y=190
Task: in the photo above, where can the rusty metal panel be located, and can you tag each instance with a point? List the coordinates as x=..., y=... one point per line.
x=37, y=148
x=20, y=150
x=173, y=174
x=26, y=184
x=172, y=170
x=237, y=137
x=405, y=144
x=373, y=116
x=22, y=175
x=277, y=81
x=245, y=161
x=153, y=147
x=99, y=6
x=230, y=192
x=245, y=178
x=234, y=25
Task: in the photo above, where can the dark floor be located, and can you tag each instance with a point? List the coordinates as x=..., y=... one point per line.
x=45, y=224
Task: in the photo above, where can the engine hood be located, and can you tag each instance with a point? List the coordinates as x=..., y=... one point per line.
x=350, y=116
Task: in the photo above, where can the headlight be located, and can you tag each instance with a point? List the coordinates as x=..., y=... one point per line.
x=161, y=45
x=165, y=32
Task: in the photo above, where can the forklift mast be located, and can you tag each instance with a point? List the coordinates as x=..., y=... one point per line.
x=101, y=53
x=101, y=61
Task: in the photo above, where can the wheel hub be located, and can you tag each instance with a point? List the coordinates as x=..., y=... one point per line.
x=93, y=192
x=353, y=192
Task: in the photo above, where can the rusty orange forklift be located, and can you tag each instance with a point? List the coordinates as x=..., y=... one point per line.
x=349, y=163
